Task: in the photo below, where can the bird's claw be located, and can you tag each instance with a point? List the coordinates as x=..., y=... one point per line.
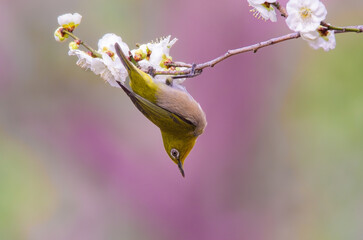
x=151, y=71
x=193, y=73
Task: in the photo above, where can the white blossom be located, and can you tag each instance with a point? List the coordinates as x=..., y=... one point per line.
x=107, y=43
x=305, y=15
x=59, y=36
x=85, y=60
x=106, y=46
x=320, y=38
x=160, y=52
x=141, y=53
x=109, y=67
x=97, y=65
x=264, y=9
x=155, y=55
x=69, y=19
x=73, y=45
x=68, y=22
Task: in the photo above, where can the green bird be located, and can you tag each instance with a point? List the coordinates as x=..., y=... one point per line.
x=180, y=118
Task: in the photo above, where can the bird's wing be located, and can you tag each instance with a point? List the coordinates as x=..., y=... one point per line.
x=161, y=117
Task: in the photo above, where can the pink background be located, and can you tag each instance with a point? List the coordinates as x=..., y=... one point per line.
x=281, y=157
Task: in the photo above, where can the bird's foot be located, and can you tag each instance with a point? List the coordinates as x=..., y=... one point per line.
x=193, y=73
x=151, y=71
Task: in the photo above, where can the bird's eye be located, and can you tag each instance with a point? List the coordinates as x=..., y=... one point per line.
x=174, y=153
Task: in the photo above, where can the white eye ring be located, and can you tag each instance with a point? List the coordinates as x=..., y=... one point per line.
x=174, y=153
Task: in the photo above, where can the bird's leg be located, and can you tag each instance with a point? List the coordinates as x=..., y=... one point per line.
x=151, y=71
x=169, y=81
x=193, y=73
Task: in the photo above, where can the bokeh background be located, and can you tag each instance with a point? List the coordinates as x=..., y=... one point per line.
x=281, y=157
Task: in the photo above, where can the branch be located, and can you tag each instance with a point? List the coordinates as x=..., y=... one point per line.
x=356, y=29
x=281, y=9
x=94, y=52
x=284, y=14
x=192, y=72
x=254, y=48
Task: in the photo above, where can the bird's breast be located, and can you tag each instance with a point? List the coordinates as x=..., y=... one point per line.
x=182, y=104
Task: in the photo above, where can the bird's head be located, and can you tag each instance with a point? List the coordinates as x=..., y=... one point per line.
x=178, y=147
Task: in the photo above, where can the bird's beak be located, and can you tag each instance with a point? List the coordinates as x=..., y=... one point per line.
x=181, y=168
x=127, y=64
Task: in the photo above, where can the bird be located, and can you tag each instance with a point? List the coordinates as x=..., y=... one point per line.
x=171, y=108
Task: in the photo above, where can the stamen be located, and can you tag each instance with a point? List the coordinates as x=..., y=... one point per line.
x=305, y=12
x=110, y=53
x=256, y=13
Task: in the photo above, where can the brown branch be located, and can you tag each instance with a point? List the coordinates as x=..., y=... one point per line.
x=254, y=48
x=178, y=64
x=280, y=8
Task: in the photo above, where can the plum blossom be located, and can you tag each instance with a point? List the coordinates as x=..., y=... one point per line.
x=106, y=63
x=73, y=45
x=160, y=51
x=85, y=60
x=96, y=65
x=69, y=20
x=305, y=15
x=141, y=53
x=106, y=46
x=154, y=54
x=109, y=67
x=59, y=36
x=264, y=9
x=321, y=38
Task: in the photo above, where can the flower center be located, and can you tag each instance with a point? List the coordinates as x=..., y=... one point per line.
x=108, y=52
x=305, y=12
x=266, y=4
x=324, y=33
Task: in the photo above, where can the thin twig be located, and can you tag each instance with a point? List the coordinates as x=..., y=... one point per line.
x=342, y=29
x=199, y=67
x=254, y=48
x=178, y=64
x=281, y=9
x=94, y=52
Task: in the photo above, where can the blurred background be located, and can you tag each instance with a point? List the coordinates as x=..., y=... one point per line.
x=281, y=157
